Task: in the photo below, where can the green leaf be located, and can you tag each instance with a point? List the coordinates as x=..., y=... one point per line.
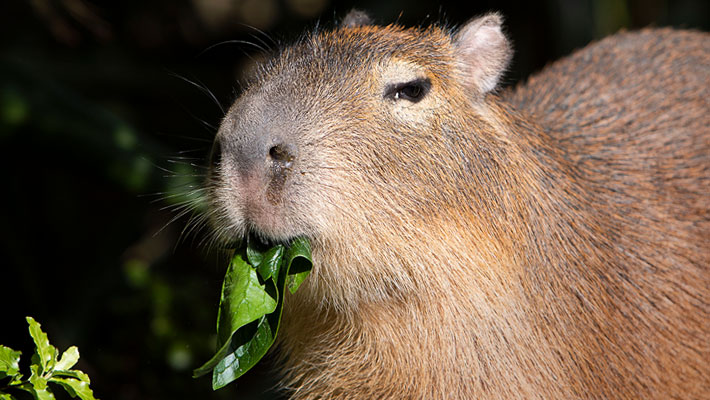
x=46, y=353
x=244, y=299
x=44, y=368
x=270, y=262
x=72, y=373
x=76, y=388
x=247, y=348
x=9, y=362
x=243, y=339
x=68, y=359
x=300, y=264
x=255, y=253
x=256, y=250
x=42, y=394
x=39, y=388
x=250, y=343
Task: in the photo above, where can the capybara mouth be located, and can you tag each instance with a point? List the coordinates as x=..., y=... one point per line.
x=255, y=240
x=261, y=241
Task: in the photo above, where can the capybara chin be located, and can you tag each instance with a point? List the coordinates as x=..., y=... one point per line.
x=550, y=241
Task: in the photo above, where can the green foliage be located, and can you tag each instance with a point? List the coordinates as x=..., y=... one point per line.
x=45, y=368
x=251, y=304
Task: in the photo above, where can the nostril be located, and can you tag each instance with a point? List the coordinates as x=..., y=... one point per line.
x=281, y=155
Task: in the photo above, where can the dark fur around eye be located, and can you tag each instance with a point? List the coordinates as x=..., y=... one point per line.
x=412, y=91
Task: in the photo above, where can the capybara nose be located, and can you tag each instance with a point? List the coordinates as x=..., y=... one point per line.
x=257, y=161
x=253, y=152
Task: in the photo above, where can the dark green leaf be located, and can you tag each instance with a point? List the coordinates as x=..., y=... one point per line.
x=255, y=255
x=243, y=300
x=278, y=268
x=270, y=262
x=248, y=347
x=255, y=250
x=300, y=264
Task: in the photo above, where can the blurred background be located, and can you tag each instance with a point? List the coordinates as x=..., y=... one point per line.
x=107, y=112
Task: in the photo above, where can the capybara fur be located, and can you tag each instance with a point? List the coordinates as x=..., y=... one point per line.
x=549, y=241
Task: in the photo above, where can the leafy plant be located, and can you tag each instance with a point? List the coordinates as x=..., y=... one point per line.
x=46, y=367
x=250, y=306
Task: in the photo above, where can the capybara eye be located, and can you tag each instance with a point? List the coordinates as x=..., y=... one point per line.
x=412, y=91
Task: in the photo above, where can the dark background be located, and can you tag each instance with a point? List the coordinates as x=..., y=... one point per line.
x=103, y=140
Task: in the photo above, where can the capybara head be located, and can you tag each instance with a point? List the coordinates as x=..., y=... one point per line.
x=358, y=139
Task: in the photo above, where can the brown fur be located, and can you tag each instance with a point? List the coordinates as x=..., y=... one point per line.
x=549, y=242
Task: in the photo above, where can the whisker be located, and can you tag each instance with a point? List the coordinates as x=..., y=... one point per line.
x=233, y=41
x=268, y=48
x=264, y=34
x=190, y=151
x=201, y=86
x=182, y=205
x=191, y=164
x=172, y=195
x=195, y=224
x=211, y=128
x=172, y=220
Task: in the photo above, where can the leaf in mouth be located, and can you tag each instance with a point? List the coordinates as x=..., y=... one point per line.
x=251, y=304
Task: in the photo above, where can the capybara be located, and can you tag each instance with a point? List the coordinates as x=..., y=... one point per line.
x=548, y=241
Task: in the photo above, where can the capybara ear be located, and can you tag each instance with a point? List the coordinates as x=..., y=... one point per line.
x=356, y=18
x=483, y=52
